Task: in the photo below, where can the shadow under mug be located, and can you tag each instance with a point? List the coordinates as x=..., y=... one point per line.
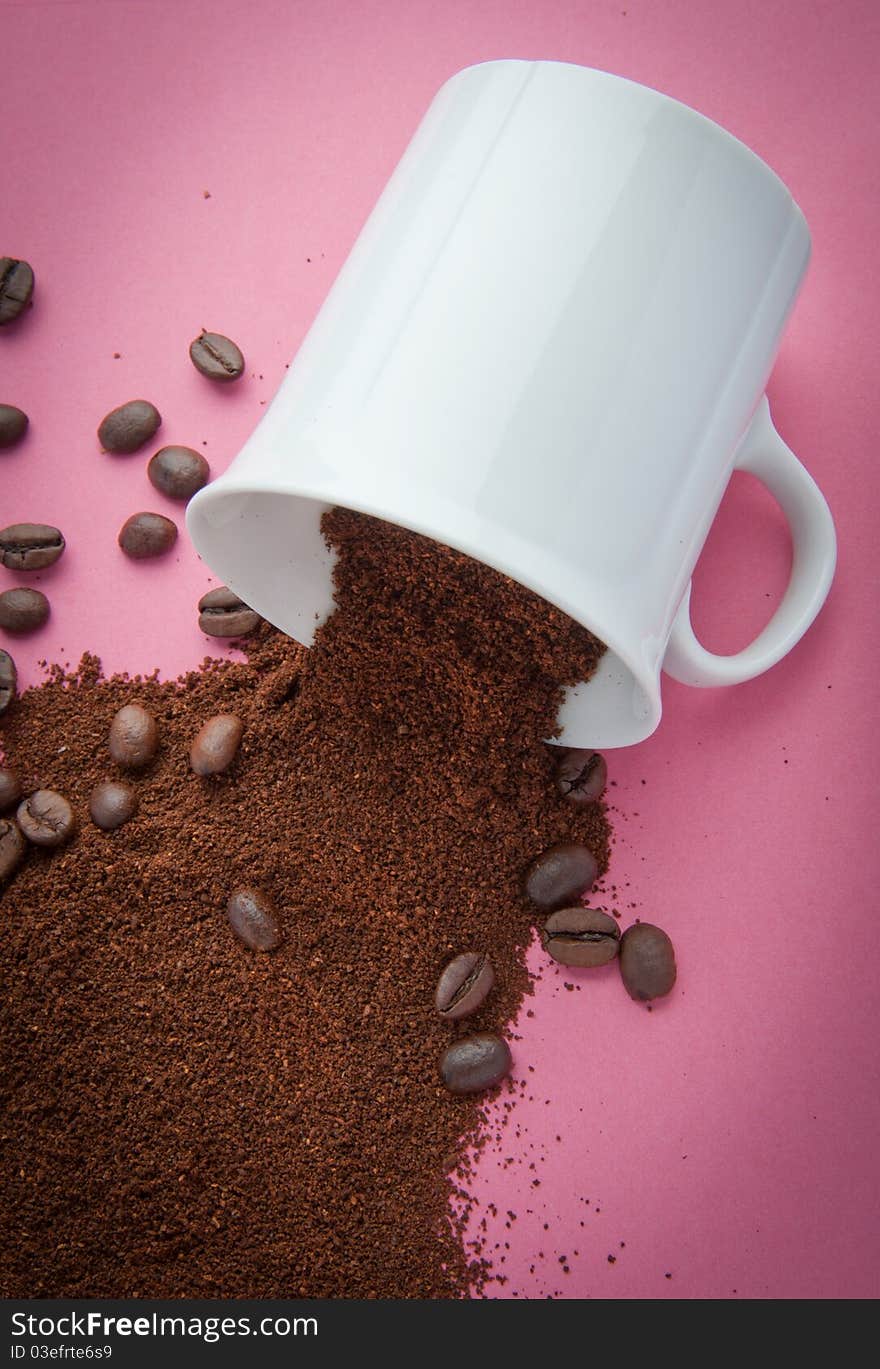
x=548, y=349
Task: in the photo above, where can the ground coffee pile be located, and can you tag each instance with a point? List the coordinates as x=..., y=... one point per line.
x=184, y=1117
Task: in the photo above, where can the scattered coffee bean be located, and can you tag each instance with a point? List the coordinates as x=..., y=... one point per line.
x=216, y=745
x=16, y=288
x=13, y=425
x=647, y=962
x=253, y=919
x=8, y=680
x=12, y=847
x=464, y=985
x=147, y=534
x=475, y=1063
x=582, y=937
x=10, y=788
x=223, y=614
x=134, y=737
x=560, y=875
x=216, y=356
x=23, y=610
x=30, y=546
x=111, y=804
x=46, y=818
x=178, y=472
x=581, y=776
x=127, y=428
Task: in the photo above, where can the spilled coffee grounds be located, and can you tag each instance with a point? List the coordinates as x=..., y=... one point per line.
x=185, y=1117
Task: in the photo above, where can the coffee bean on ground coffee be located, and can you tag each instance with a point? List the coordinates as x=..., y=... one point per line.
x=13, y=425
x=147, y=534
x=30, y=546
x=16, y=288
x=46, y=818
x=581, y=776
x=223, y=614
x=23, y=610
x=216, y=744
x=217, y=357
x=12, y=848
x=560, y=875
x=475, y=1063
x=10, y=788
x=178, y=472
x=207, y=1121
x=8, y=680
x=111, y=804
x=253, y=919
x=134, y=737
x=647, y=962
x=464, y=985
x=127, y=428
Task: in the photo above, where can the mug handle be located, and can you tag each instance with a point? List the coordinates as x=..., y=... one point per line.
x=763, y=452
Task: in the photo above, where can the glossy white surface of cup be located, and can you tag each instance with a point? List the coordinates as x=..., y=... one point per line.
x=547, y=348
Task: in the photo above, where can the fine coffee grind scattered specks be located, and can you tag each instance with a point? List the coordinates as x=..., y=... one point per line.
x=186, y=1117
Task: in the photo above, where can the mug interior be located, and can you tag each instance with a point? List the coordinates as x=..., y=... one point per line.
x=267, y=546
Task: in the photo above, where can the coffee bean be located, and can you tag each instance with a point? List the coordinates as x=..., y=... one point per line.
x=127, y=428
x=475, y=1063
x=178, y=472
x=223, y=614
x=12, y=847
x=647, y=962
x=581, y=776
x=30, y=546
x=46, y=818
x=13, y=425
x=147, y=534
x=111, y=804
x=216, y=745
x=8, y=680
x=16, y=288
x=216, y=356
x=464, y=985
x=253, y=919
x=23, y=610
x=581, y=936
x=10, y=788
x=560, y=875
x=134, y=737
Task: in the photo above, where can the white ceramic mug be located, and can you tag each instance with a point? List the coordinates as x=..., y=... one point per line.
x=548, y=348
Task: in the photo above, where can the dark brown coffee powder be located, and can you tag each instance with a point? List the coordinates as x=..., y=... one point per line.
x=185, y=1117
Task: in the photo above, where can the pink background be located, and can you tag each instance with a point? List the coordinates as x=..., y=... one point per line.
x=729, y=1138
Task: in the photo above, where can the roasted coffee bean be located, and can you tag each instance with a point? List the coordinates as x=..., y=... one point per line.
x=581, y=776
x=46, y=818
x=12, y=847
x=216, y=745
x=16, y=288
x=127, y=428
x=10, y=788
x=223, y=614
x=8, y=680
x=464, y=985
x=13, y=425
x=475, y=1063
x=147, y=534
x=134, y=737
x=111, y=804
x=583, y=937
x=647, y=962
x=178, y=471
x=23, y=610
x=253, y=920
x=216, y=356
x=30, y=546
x=560, y=875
